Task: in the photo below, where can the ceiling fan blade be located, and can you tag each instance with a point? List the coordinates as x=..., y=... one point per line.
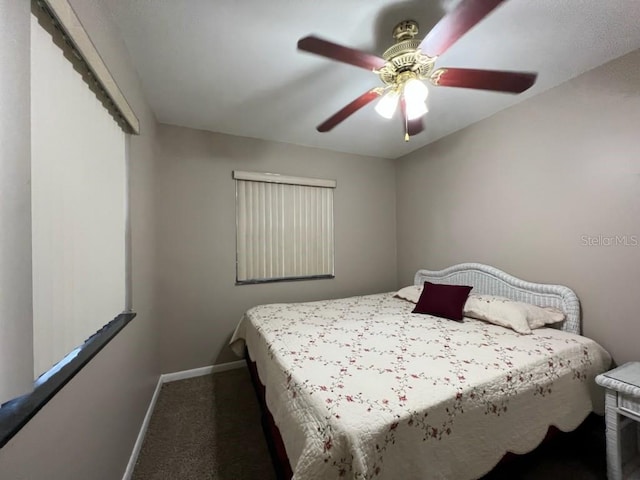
x=348, y=110
x=415, y=126
x=412, y=127
x=499, y=81
x=455, y=24
x=342, y=54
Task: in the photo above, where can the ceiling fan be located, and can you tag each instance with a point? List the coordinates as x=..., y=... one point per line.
x=408, y=62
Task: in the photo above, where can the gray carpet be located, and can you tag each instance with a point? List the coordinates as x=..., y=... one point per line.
x=206, y=428
x=209, y=428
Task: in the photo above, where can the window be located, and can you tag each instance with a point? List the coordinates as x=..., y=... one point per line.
x=78, y=206
x=63, y=248
x=284, y=227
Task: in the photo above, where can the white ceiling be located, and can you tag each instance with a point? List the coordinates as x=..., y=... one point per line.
x=232, y=66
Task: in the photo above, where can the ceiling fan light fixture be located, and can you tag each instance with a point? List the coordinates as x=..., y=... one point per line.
x=387, y=105
x=415, y=91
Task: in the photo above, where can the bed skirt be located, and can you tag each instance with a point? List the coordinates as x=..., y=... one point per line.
x=271, y=432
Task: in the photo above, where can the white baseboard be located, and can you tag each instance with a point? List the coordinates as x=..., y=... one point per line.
x=166, y=378
x=198, y=372
x=143, y=430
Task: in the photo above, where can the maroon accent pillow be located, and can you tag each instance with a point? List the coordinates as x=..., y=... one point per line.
x=445, y=301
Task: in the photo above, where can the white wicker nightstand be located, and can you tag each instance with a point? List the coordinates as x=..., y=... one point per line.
x=622, y=416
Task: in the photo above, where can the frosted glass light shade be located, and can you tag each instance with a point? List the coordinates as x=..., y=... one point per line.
x=387, y=105
x=416, y=109
x=415, y=91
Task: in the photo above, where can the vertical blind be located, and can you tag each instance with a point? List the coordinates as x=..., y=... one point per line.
x=78, y=174
x=284, y=227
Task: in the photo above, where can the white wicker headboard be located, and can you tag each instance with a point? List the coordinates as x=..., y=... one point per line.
x=491, y=281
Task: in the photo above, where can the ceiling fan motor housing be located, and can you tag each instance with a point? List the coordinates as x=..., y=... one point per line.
x=405, y=30
x=404, y=56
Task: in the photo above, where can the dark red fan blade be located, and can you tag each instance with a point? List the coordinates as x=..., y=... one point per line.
x=348, y=110
x=455, y=24
x=412, y=127
x=499, y=81
x=342, y=54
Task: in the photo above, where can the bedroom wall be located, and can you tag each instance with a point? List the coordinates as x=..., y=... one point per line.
x=199, y=302
x=539, y=190
x=87, y=431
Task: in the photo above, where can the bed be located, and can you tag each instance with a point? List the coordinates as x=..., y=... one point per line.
x=362, y=388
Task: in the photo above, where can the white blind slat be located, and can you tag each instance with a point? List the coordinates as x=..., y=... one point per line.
x=250, y=231
x=241, y=229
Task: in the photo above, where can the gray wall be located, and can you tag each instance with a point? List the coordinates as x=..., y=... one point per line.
x=199, y=302
x=88, y=430
x=16, y=340
x=519, y=191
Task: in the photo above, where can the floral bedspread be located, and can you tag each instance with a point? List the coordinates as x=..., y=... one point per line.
x=361, y=388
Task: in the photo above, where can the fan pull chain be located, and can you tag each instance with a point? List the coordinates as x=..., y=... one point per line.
x=406, y=128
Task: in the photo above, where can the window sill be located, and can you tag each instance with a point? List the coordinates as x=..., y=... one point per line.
x=283, y=279
x=15, y=413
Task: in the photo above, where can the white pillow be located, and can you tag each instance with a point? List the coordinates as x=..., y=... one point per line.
x=499, y=311
x=411, y=293
x=541, y=316
x=519, y=316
